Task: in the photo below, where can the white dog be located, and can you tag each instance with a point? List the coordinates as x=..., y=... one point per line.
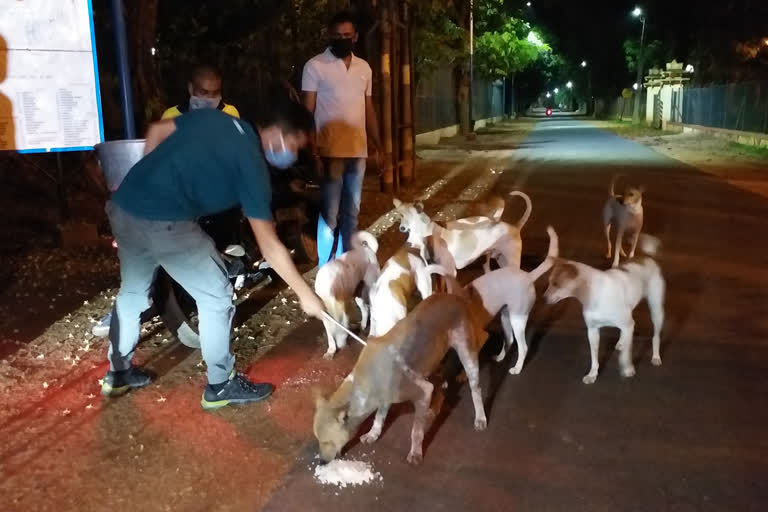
x=468, y=239
x=401, y=275
x=512, y=290
x=349, y=276
x=626, y=212
x=608, y=299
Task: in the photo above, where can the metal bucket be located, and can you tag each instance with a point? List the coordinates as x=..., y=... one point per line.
x=116, y=158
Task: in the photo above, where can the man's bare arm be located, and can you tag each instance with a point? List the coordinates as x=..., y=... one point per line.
x=371, y=123
x=309, y=98
x=278, y=256
x=157, y=133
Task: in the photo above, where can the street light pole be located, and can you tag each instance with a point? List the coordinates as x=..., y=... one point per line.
x=639, y=81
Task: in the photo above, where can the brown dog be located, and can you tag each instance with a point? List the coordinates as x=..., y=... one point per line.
x=395, y=367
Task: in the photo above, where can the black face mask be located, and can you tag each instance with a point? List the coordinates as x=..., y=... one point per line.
x=341, y=47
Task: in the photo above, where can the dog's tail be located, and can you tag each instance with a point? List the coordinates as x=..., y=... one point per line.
x=614, y=179
x=649, y=245
x=528, y=208
x=363, y=239
x=552, y=254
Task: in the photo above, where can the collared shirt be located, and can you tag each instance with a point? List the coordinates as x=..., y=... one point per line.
x=212, y=162
x=340, y=108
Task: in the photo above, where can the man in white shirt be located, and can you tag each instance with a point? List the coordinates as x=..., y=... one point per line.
x=336, y=86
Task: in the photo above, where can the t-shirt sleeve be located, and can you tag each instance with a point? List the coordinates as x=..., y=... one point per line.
x=255, y=187
x=369, y=82
x=309, y=78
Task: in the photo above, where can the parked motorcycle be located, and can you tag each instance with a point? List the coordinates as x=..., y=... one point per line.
x=294, y=206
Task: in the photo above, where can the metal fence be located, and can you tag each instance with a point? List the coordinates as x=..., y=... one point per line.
x=435, y=105
x=738, y=106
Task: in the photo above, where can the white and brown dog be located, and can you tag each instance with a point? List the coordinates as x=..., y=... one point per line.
x=608, y=299
x=395, y=368
x=625, y=211
x=511, y=291
x=402, y=274
x=467, y=239
x=350, y=276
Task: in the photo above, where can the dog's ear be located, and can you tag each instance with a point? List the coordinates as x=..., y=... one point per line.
x=419, y=206
x=396, y=202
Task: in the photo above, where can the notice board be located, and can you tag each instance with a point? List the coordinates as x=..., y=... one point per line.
x=49, y=80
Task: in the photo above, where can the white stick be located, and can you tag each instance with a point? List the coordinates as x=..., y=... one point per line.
x=333, y=320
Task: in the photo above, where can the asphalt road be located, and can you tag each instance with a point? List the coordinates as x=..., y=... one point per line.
x=689, y=435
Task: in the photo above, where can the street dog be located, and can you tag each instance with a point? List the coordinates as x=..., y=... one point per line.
x=511, y=291
x=469, y=241
x=608, y=298
x=625, y=211
x=490, y=211
x=350, y=276
x=402, y=274
x=395, y=368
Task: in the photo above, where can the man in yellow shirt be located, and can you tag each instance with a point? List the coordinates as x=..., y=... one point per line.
x=204, y=89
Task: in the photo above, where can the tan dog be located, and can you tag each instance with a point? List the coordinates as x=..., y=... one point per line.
x=626, y=212
x=395, y=368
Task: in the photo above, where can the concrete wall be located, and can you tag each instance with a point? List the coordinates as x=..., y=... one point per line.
x=434, y=136
x=746, y=138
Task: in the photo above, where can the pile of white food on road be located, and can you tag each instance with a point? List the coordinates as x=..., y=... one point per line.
x=345, y=472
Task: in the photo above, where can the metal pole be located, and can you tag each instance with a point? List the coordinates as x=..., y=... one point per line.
x=123, y=70
x=636, y=113
x=471, y=63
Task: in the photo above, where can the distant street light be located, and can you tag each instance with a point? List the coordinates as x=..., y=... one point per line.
x=689, y=68
x=557, y=90
x=638, y=13
x=635, y=86
x=528, y=4
x=569, y=84
x=549, y=95
x=583, y=63
x=153, y=50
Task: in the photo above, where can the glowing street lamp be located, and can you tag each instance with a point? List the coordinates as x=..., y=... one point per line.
x=637, y=12
x=528, y=4
x=583, y=63
x=635, y=86
x=569, y=84
x=557, y=90
x=549, y=95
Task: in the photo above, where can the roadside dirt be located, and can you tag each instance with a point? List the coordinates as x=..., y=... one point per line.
x=65, y=448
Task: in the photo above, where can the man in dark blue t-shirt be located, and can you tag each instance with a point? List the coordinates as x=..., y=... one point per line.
x=195, y=165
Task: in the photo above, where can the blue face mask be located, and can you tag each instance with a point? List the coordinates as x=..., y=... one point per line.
x=281, y=158
x=196, y=102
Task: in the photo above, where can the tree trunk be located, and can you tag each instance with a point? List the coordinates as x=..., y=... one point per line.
x=406, y=140
x=462, y=98
x=142, y=32
x=387, y=175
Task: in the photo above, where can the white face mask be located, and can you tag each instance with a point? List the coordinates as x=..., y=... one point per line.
x=196, y=102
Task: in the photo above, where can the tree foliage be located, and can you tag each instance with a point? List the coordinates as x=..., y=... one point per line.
x=655, y=54
x=508, y=50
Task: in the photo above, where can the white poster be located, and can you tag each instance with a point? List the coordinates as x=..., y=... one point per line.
x=49, y=81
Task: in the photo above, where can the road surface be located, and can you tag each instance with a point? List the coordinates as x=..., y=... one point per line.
x=689, y=435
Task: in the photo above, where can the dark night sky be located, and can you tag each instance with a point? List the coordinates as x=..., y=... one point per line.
x=596, y=29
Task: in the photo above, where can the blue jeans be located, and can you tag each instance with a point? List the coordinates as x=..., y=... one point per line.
x=190, y=257
x=341, y=189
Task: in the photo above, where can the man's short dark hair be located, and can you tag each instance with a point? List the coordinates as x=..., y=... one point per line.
x=290, y=116
x=343, y=17
x=200, y=70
